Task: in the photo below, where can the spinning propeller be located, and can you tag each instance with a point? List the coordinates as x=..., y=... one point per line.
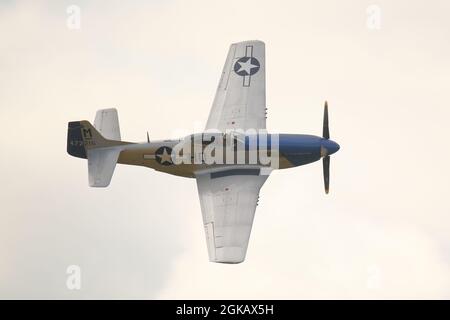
x=328, y=147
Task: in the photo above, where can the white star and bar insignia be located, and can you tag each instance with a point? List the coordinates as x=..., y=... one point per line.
x=164, y=156
x=246, y=66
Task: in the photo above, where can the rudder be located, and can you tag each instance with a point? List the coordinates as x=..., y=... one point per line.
x=82, y=136
x=85, y=141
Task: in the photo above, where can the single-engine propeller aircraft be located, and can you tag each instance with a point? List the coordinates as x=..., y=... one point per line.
x=230, y=160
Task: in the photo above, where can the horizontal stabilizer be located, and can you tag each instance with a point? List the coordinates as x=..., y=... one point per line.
x=101, y=164
x=107, y=123
x=100, y=144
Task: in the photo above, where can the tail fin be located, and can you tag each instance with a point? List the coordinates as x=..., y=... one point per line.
x=84, y=141
x=82, y=136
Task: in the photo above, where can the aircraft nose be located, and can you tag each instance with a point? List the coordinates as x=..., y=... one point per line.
x=330, y=146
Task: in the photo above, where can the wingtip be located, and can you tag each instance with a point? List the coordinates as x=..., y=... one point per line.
x=227, y=262
x=250, y=41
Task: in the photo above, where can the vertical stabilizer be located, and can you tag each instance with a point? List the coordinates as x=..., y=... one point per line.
x=100, y=144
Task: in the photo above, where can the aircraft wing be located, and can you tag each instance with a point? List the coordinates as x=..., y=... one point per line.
x=228, y=200
x=240, y=101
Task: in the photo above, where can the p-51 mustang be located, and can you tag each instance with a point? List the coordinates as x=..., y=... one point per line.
x=231, y=160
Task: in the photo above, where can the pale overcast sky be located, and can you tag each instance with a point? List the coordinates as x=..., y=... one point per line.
x=382, y=232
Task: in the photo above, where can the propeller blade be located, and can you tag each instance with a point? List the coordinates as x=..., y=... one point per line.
x=326, y=173
x=326, y=130
x=148, y=138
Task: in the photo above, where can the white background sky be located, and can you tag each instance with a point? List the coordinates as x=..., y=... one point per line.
x=383, y=232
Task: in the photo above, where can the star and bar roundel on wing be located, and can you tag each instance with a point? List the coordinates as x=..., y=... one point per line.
x=246, y=66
